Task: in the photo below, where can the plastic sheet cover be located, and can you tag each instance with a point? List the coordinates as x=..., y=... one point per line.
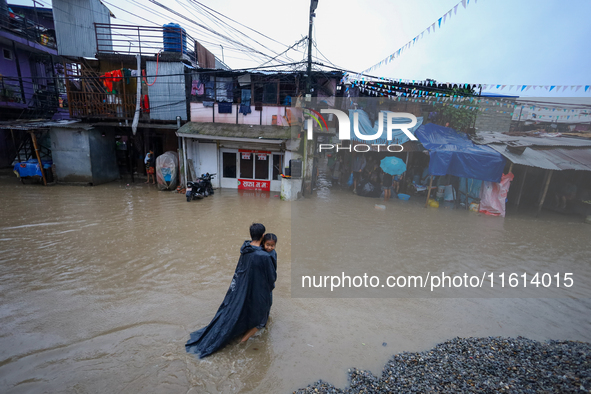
x=167, y=170
x=451, y=152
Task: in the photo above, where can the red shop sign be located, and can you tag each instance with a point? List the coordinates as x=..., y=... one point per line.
x=252, y=184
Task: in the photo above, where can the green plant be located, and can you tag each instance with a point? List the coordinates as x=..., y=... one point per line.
x=459, y=118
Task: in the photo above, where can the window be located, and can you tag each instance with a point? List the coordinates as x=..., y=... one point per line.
x=261, y=170
x=246, y=164
x=277, y=167
x=229, y=165
x=7, y=54
x=270, y=93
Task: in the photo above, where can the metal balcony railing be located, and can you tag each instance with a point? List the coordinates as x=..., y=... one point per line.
x=144, y=40
x=28, y=29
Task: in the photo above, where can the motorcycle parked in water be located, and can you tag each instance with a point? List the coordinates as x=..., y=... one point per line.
x=207, y=177
x=199, y=188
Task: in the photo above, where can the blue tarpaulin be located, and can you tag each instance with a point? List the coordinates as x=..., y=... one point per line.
x=452, y=152
x=30, y=167
x=366, y=128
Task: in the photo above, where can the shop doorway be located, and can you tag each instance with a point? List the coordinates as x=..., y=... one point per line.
x=251, y=169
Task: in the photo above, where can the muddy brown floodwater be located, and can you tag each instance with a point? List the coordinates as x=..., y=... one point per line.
x=101, y=286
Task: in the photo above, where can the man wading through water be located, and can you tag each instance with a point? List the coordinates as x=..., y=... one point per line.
x=247, y=304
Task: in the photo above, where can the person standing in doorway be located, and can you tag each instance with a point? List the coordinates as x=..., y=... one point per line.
x=150, y=162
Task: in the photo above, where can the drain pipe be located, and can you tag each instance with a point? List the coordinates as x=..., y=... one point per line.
x=185, y=160
x=136, y=116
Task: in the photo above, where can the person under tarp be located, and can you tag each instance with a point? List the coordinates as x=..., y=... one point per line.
x=247, y=303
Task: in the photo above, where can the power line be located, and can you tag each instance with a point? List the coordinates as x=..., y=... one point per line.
x=238, y=22
x=233, y=28
x=205, y=27
x=250, y=55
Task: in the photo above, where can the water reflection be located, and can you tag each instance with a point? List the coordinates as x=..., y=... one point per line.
x=101, y=286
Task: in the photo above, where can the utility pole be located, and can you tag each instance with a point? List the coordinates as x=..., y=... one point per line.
x=313, y=5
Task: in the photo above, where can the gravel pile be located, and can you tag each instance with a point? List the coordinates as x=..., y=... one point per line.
x=478, y=365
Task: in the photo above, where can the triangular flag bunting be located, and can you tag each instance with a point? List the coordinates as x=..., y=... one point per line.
x=456, y=9
x=464, y=3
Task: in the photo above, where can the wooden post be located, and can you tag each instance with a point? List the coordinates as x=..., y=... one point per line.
x=521, y=187
x=34, y=139
x=18, y=150
x=429, y=191
x=467, y=194
x=510, y=167
x=544, y=191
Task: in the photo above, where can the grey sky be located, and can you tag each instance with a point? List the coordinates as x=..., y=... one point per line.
x=507, y=42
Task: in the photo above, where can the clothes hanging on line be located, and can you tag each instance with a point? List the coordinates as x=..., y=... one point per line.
x=224, y=108
x=197, y=88
x=245, y=102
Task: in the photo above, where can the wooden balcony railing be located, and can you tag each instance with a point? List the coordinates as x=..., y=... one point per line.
x=102, y=105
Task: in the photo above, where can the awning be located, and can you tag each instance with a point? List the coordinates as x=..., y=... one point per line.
x=549, y=159
x=451, y=152
x=235, y=132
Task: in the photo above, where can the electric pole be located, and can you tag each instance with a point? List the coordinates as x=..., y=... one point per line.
x=313, y=5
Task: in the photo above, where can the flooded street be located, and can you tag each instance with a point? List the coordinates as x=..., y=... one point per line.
x=101, y=286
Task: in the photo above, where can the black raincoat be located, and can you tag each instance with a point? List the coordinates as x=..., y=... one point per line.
x=247, y=303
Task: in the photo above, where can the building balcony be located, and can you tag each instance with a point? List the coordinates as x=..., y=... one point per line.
x=21, y=29
x=172, y=41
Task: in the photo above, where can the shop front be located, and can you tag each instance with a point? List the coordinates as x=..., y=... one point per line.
x=248, y=169
x=245, y=158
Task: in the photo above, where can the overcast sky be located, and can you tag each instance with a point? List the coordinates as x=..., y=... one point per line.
x=505, y=42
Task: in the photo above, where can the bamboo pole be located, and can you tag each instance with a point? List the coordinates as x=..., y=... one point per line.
x=429, y=191
x=34, y=139
x=521, y=187
x=511, y=168
x=545, y=190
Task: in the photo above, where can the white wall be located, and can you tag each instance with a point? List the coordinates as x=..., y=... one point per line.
x=208, y=161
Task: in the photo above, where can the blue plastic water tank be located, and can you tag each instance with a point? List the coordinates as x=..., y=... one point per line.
x=171, y=35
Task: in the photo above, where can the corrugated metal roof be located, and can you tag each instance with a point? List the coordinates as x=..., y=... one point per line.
x=487, y=138
x=236, y=130
x=74, y=26
x=33, y=125
x=549, y=159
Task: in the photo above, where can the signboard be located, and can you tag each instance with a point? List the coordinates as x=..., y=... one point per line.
x=254, y=151
x=252, y=184
x=261, y=156
x=245, y=156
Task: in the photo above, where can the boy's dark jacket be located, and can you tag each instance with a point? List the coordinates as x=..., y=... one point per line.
x=246, y=305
